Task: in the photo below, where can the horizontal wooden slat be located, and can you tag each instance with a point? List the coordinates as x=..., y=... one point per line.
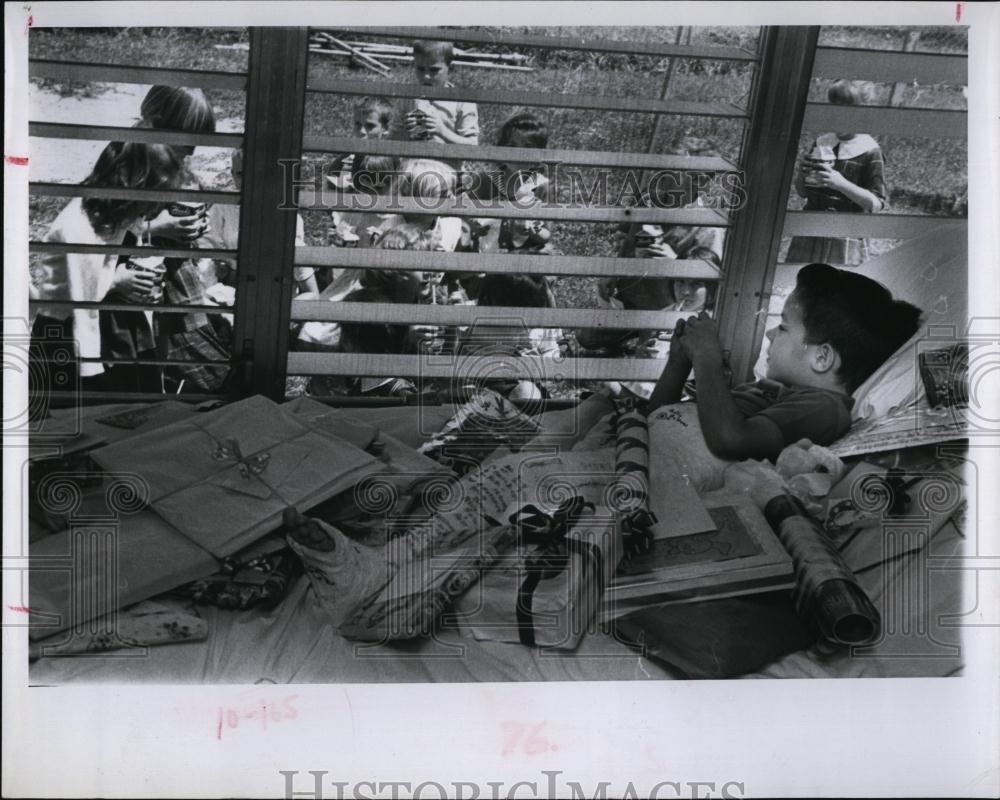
x=888, y=66
x=871, y=226
x=108, y=133
x=465, y=206
x=141, y=362
x=122, y=250
x=591, y=44
x=930, y=123
x=590, y=158
x=105, y=305
x=489, y=317
x=505, y=263
x=327, y=85
x=41, y=189
x=474, y=368
x=439, y=397
x=83, y=71
x=85, y=397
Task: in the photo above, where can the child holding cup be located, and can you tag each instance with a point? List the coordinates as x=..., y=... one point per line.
x=843, y=172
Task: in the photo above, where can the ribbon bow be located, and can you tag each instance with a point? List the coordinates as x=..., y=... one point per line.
x=229, y=450
x=549, y=533
x=637, y=536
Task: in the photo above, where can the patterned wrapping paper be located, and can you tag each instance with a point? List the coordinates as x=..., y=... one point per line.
x=826, y=591
x=223, y=478
x=397, y=591
x=631, y=490
x=632, y=454
x=481, y=425
x=145, y=624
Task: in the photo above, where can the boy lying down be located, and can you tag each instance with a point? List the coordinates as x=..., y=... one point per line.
x=836, y=329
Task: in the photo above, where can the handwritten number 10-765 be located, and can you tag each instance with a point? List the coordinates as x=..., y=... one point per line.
x=258, y=713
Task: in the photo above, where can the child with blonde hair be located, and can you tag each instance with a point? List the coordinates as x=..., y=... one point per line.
x=433, y=120
x=432, y=184
x=374, y=118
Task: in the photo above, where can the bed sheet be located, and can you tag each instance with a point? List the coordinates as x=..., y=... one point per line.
x=295, y=643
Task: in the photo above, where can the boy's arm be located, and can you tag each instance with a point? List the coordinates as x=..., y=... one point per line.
x=727, y=432
x=670, y=386
x=466, y=128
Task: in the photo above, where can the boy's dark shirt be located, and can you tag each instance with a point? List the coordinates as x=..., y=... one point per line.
x=800, y=412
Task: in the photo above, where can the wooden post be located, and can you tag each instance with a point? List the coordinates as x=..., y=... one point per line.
x=771, y=145
x=276, y=85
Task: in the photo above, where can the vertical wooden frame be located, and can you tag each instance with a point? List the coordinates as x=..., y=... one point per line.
x=771, y=145
x=276, y=91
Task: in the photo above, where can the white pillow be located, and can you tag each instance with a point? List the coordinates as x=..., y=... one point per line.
x=930, y=271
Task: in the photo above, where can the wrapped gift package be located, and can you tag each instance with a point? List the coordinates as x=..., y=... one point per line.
x=224, y=477
x=486, y=422
x=398, y=591
x=94, y=568
x=547, y=591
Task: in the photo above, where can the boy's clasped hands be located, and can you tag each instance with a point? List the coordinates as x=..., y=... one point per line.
x=696, y=341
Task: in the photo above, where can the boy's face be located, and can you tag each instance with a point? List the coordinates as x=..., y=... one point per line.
x=431, y=70
x=369, y=126
x=789, y=358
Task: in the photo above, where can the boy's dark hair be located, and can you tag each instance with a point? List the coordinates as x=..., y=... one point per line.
x=396, y=286
x=531, y=291
x=527, y=127
x=856, y=316
x=357, y=337
x=443, y=50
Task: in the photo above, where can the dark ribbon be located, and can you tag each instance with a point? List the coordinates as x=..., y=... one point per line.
x=548, y=532
x=637, y=536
